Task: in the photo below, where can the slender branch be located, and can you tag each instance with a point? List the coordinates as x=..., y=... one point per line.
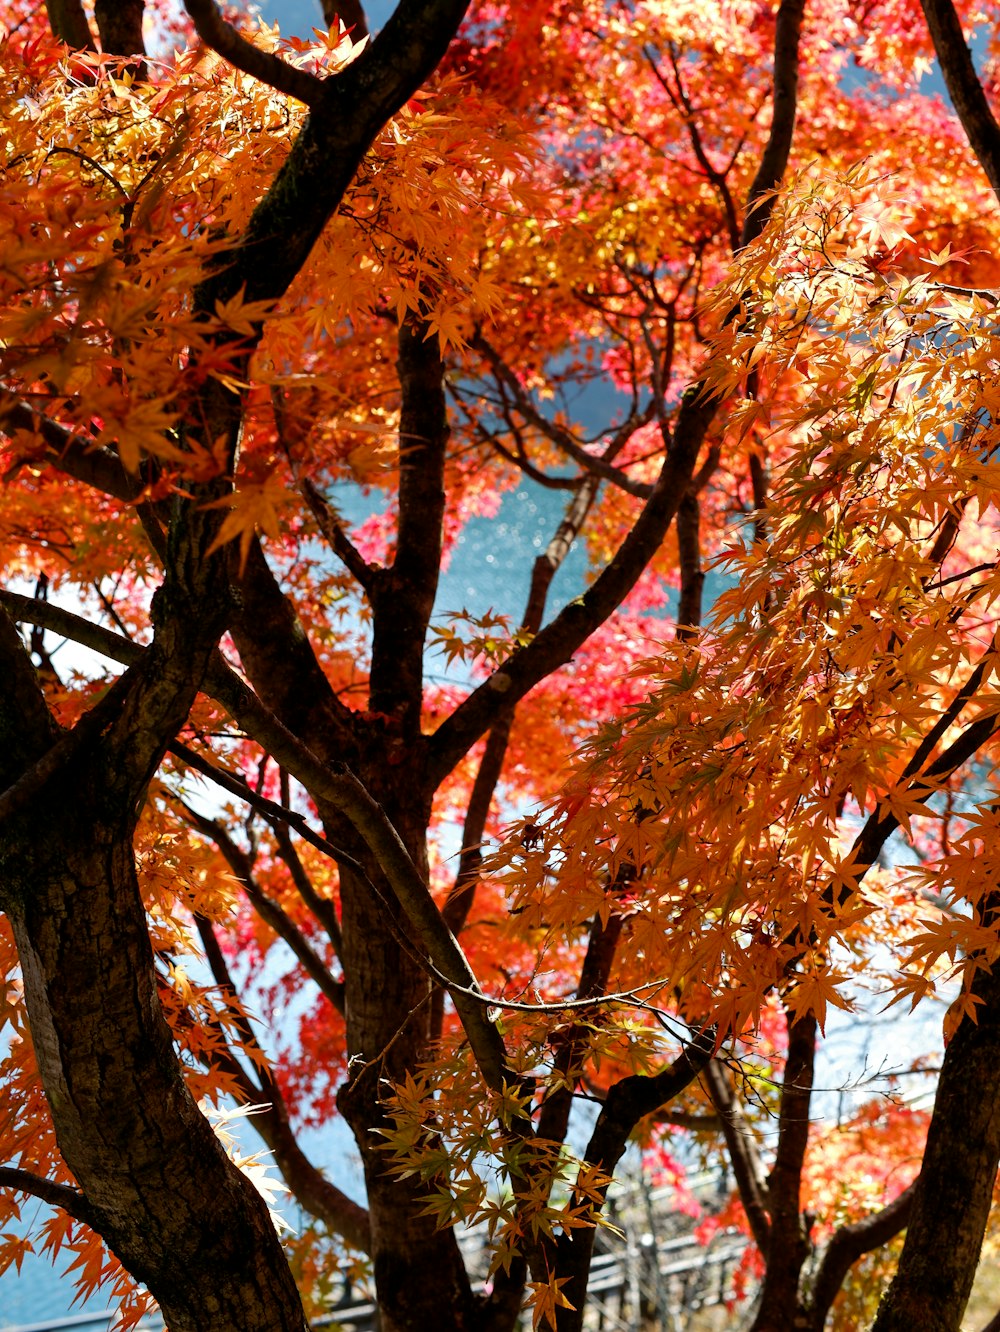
x=572, y=1042
x=545, y=568
x=29, y=610
x=717, y=178
x=223, y=38
x=560, y=437
x=403, y=600
x=557, y=642
x=338, y=540
x=270, y=912
x=321, y=907
x=224, y=980
x=69, y=450
x=788, y=1243
x=881, y=823
x=743, y=1153
x=56, y=1195
x=306, y=1182
x=691, y=572
x=627, y=1102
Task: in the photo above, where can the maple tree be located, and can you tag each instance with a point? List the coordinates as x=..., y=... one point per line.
x=615, y=855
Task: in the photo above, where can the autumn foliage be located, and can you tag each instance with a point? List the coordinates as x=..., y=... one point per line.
x=286, y=838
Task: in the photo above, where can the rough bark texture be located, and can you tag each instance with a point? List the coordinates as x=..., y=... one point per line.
x=68, y=21
x=119, y=23
x=954, y=1189
x=158, y=1186
x=788, y=1243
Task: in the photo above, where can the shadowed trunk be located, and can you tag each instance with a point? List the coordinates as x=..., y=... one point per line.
x=954, y=1189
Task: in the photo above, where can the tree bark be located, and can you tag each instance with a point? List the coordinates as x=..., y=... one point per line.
x=954, y=1190
x=420, y=1275
x=119, y=25
x=158, y=1186
x=788, y=1243
x=69, y=23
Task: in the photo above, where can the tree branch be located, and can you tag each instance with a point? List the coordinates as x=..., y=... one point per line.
x=354, y=105
x=627, y=1102
x=852, y=1242
x=223, y=38
x=543, y=571
x=560, y=437
x=953, y=1192
x=743, y=1153
x=557, y=642
x=321, y=907
x=119, y=24
x=964, y=88
x=338, y=540
x=276, y=653
x=56, y=1195
x=404, y=596
x=788, y=1244
x=554, y=645
x=270, y=912
x=760, y=201
x=306, y=1182
x=68, y=451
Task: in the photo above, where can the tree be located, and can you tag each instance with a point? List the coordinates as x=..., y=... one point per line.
x=237, y=280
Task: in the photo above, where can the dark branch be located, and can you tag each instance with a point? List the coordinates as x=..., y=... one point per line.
x=338, y=540
x=852, y=1242
x=404, y=596
x=964, y=88
x=223, y=38
x=743, y=1153
x=627, y=1102
x=788, y=1243
x=270, y=912
x=56, y=1195
x=554, y=645
x=556, y=434
x=321, y=907
x=308, y=1185
x=779, y=144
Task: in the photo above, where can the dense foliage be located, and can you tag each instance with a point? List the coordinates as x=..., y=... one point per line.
x=278, y=319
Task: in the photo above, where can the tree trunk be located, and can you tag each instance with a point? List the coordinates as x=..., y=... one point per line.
x=156, y=1183
x=420, y=1275
x=788, y=1244
x=954, y=1189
